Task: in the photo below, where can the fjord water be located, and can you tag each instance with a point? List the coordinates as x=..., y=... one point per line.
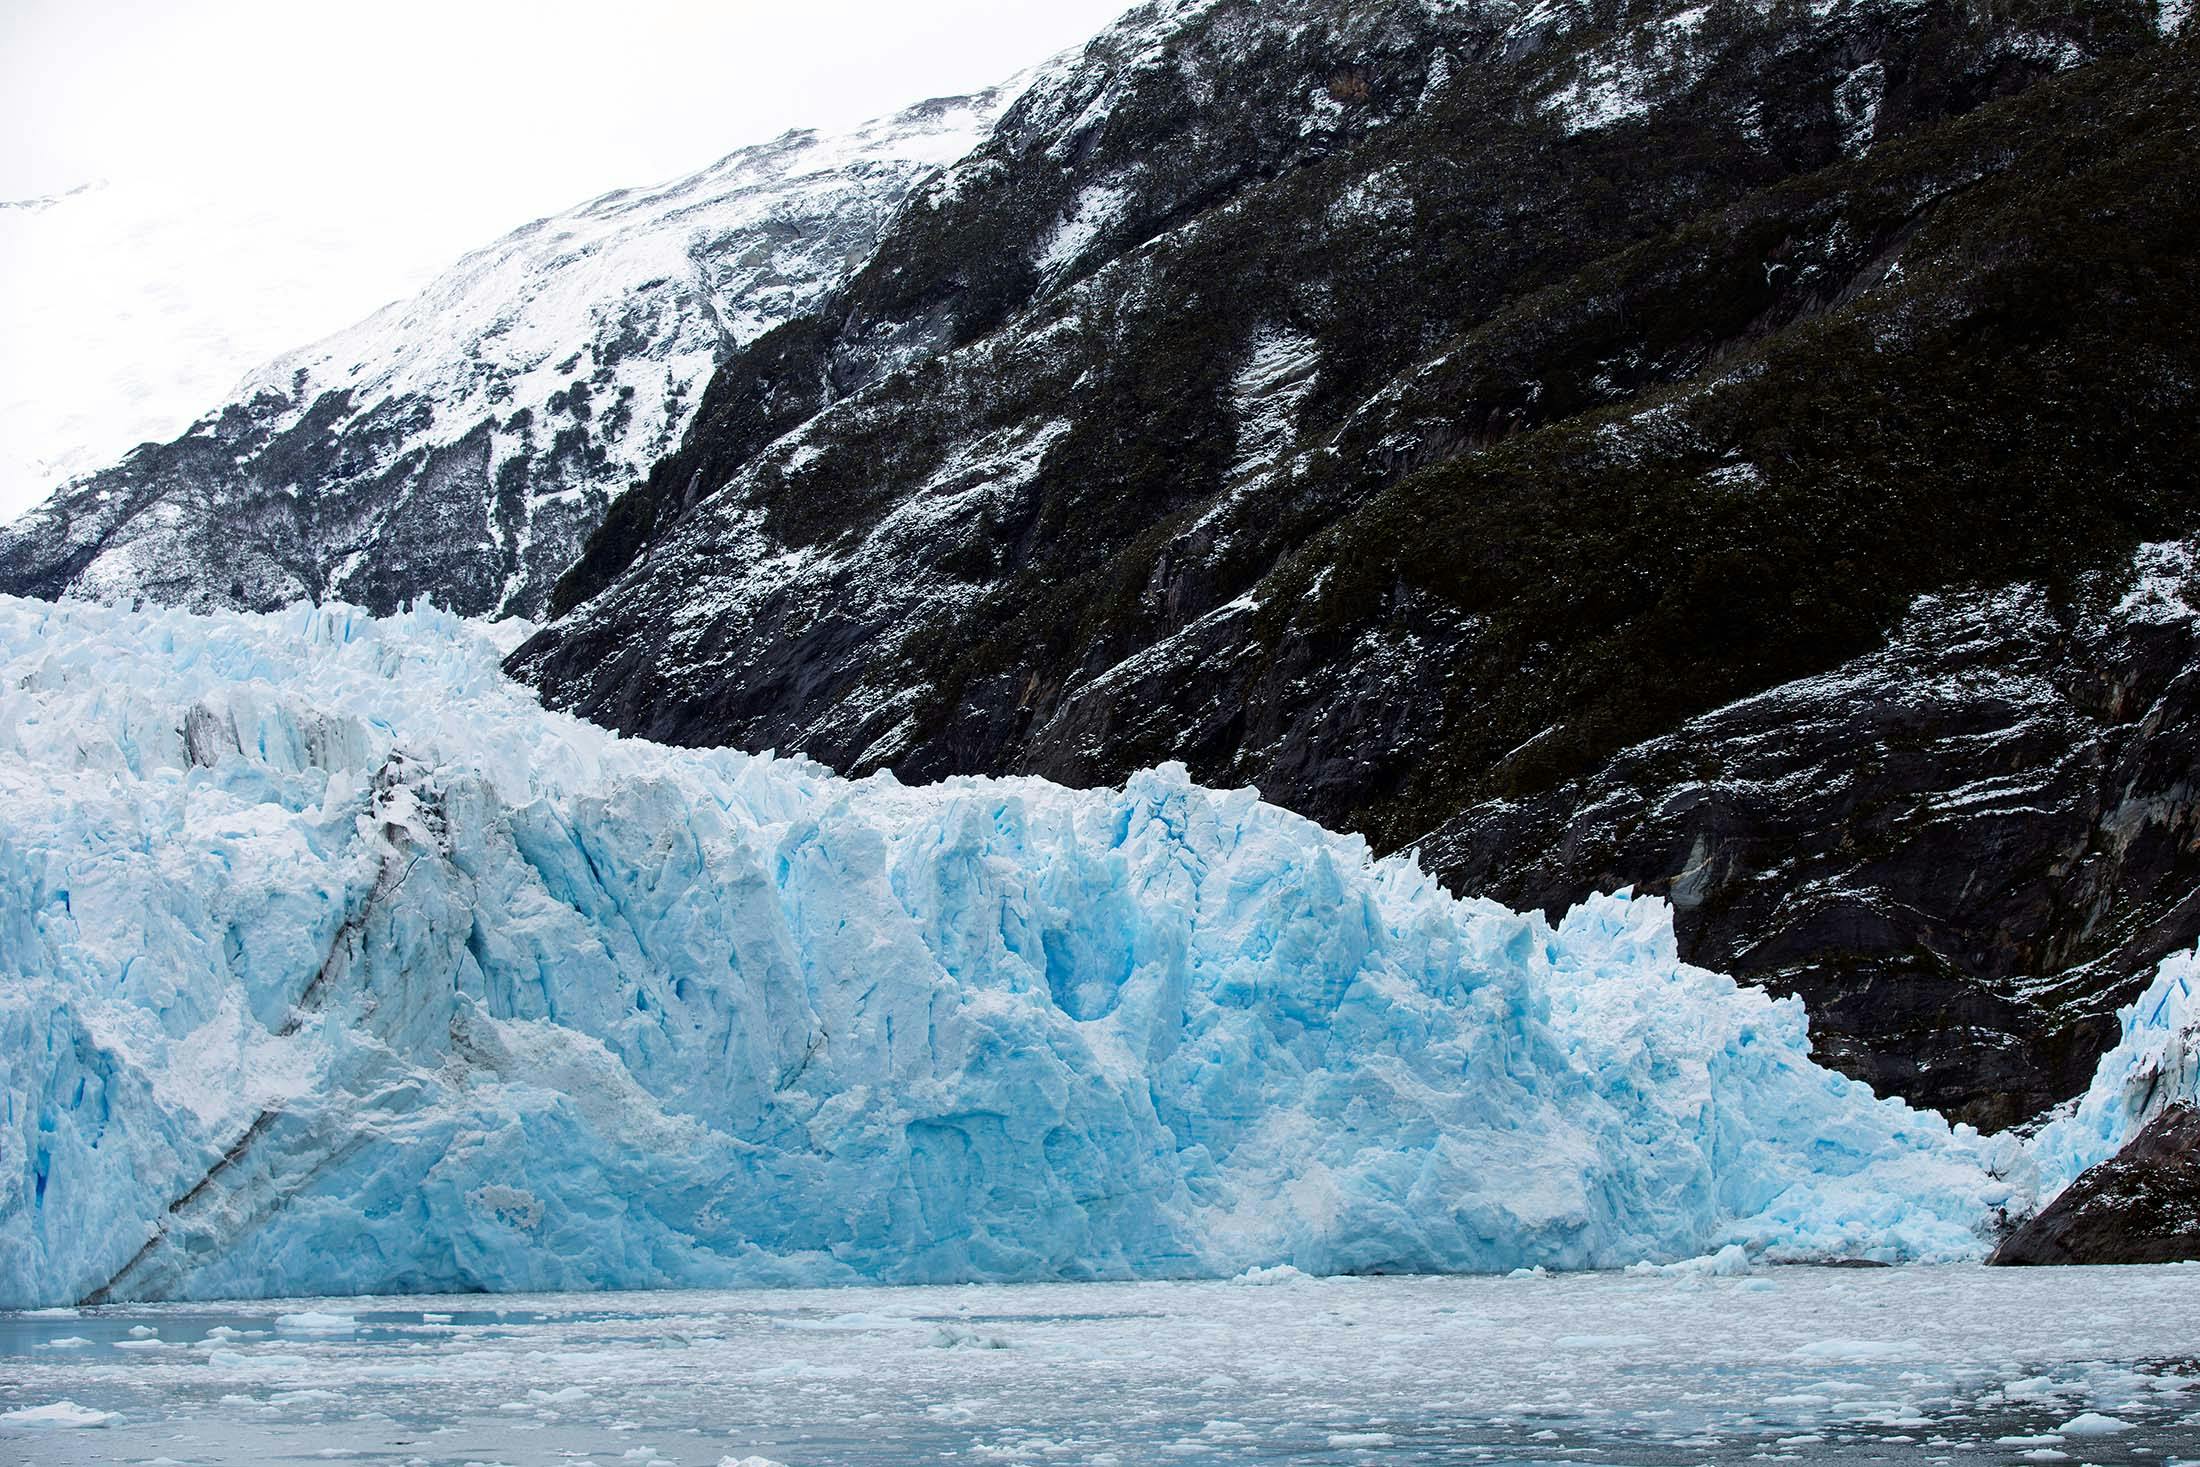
x=1953, y=1364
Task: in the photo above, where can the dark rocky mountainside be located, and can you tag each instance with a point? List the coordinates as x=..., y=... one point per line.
x=1738, y=451
x=1967, y=847
x=2143, y=1206
x=462, y=445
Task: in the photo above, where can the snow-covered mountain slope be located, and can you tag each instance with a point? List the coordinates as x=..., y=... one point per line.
x=127, y=307
x=461, y=444
x=335, y=963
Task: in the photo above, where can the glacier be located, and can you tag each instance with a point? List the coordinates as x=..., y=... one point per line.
x=332, y=963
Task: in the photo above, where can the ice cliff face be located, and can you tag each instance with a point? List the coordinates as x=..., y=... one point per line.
x=463, y=443
x=332, y=962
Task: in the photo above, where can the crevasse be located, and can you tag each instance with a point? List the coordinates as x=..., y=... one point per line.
x=331, y=963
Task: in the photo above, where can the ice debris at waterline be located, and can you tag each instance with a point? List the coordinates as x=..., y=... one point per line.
x=334, y=964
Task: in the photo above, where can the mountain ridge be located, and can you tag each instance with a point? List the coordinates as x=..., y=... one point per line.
x=1154, y=511
x=461, y=444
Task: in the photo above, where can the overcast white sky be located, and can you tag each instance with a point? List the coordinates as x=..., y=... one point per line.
x=272, y=170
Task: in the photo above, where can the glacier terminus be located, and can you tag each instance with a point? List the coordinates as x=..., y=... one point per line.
x=337, y=965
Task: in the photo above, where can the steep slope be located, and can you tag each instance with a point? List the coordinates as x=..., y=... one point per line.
x=1413, y=409
x=337, y=964
x=462, y=444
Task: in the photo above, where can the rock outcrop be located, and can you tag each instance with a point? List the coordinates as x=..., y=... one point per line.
x=2142, y=1206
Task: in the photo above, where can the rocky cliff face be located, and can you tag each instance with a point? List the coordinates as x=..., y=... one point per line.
x=463, y=444
x=1965, y=848
x=1699, y=448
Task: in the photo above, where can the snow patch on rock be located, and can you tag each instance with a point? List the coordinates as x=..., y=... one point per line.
x=1096, y=208
x=1280, y=370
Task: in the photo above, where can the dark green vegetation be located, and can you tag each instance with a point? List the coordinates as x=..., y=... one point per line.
x=2019, y=404
x=1389, y=444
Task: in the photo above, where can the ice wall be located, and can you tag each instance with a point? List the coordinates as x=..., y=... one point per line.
x=329, y=962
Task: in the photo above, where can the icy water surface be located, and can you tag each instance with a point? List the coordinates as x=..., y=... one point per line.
x=1960, y=1365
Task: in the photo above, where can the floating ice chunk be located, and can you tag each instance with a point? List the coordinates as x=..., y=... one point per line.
x=314, y=1322
x=2093, y=1423
x=564, y=1396
x=1258, y=1277
x=234, y=1360
x=855, y=1321
x=1602, y=1344
x=1856, y=1352
x=1732, y=1261
x=55, y=1416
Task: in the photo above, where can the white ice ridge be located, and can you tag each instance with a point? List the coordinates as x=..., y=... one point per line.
x=331, y=963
